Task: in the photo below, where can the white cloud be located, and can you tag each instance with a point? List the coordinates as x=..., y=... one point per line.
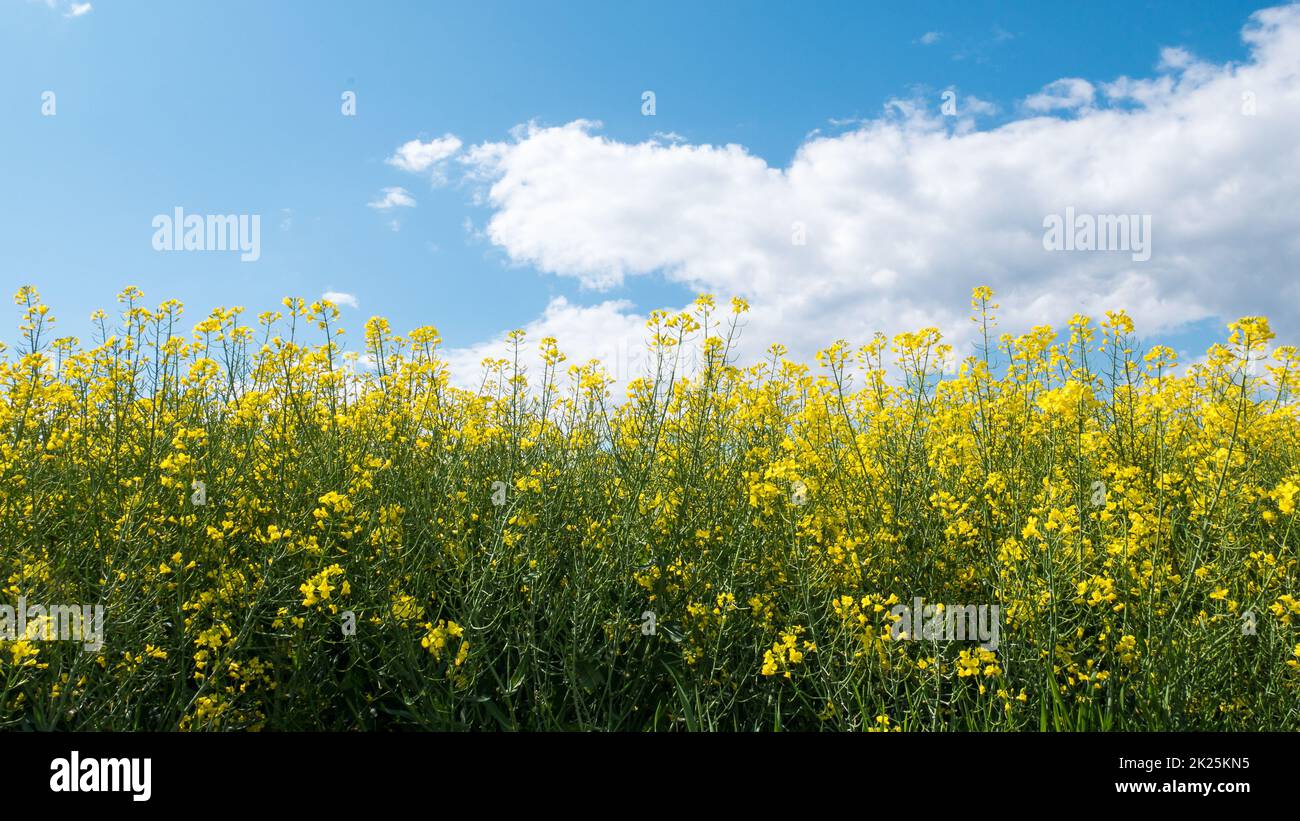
x=905, y=213
x=930, y=38
x=974, y=105
x=609, y=331
x=1177, y=59
x=1066, y=94
x=70, y=7
x=341, y=298
x=393, y=198
x=669, y=136
x=418, y=158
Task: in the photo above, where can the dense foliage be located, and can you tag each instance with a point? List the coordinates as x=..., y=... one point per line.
x=287, y=537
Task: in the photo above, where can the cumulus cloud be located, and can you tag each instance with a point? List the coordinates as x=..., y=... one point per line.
x=70, y=9
x=974, y=105
x=610, y=331
x=341, y=298
x=418, y=157
x=393, y=198
x=903, y=214
x=1066, y=94
x=930, y=38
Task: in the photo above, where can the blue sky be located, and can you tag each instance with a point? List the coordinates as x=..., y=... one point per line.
x=234, y=107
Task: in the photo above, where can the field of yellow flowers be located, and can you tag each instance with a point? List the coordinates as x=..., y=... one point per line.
x=284, y=536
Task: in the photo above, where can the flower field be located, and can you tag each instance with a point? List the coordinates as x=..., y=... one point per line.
x=283, y=536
